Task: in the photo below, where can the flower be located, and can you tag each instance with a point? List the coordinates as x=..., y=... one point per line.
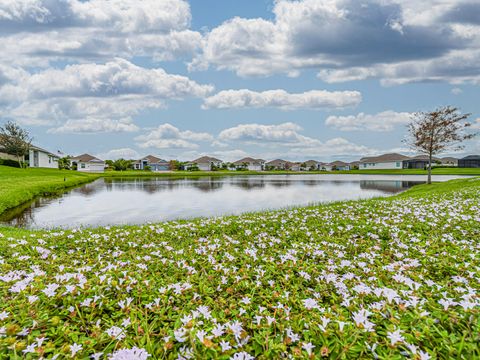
x=130, y=354
x=75, y=348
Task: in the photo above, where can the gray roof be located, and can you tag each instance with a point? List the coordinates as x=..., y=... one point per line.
x=384, y=158
x=86, y=158
x=33, y=147
x=249, y=160
x=471, y=157
x=206, y=159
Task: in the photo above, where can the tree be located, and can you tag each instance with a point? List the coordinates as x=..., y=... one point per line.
x=122, y=164
x=64, y=163
x=15, y=141
x=434, y=132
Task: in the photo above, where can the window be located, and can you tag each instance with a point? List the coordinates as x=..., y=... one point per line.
x=49, y=159
x=82, y=165
x=398, y=164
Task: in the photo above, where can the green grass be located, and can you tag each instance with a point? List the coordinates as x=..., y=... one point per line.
x=276, y=283
x=18, y=186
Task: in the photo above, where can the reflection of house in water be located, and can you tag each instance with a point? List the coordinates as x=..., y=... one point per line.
x=390, y=186
x=208, y=184
x=248, y=183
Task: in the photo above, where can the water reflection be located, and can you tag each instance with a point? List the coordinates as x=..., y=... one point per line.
x=140, y=200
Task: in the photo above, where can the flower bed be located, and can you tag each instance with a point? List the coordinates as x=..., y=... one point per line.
x=390, y=278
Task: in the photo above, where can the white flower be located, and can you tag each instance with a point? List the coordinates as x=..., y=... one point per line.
x=29, y=349
x=130, y=354
x=3, y=315
x=310, y=304
x=96, y=356
x=74, y=348
x=424, y=355
x=242, y=356
x=308, y=347
x=225, y=346
x=395, y=337
x=180, y=335
x=116, y=332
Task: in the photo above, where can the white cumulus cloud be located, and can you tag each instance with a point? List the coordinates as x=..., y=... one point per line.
x=167, y=136
x=314, y=99
x=381, y=122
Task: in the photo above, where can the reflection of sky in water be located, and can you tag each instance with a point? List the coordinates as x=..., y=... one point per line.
x=136, y=201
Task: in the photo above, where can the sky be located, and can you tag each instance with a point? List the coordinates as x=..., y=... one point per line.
x=291, y=79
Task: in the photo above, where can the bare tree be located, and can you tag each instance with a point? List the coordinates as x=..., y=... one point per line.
x=434, y=132
x=14, y=140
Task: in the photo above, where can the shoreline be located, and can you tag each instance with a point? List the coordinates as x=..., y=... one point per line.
x=19, y=186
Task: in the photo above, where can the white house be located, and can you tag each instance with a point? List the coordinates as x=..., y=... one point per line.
x=88, y=163
x=339, y=165
x=41, y=158
x=312, y=165
x=205, y=163
x=250, y=164
x=382, y=162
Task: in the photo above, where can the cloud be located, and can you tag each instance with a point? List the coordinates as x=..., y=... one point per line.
x=315, y=99
x=381, y=122
x=110, y=92
x=93, y=126
x=286, y=134
x=456, y=91
x=167, y=136
x=348, y=40
x=476, y=124
x=123, y=153
x=37, y=32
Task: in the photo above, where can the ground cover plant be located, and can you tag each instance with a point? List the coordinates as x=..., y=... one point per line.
x=388, y=278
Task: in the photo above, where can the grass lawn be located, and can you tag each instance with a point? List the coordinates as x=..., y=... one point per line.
x=384, y=278
x=20, y=185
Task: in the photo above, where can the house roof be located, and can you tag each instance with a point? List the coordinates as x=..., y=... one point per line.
x=424, y=157
x=277, y=162
x=86, y=158
x=338, y=163
x=354, y=163
x=312, y=162
x=249, y=160
x=471, y=157
x=152, y=159
x=37, y=148
x=206, y=159
x=449, y=158
x=384, y=158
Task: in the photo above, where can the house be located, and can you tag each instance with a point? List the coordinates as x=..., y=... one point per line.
x=277, y=164
x=354, y=165
x=294, y=166
x=471, y=161
x=449, y=161
x=385, y=161
x=152, y=163
x=419, y=162
x=204, y=163
x=323, y=166
x=88, y=163
x=249, y=163
x=41, y=158
x=339, y=165
x=312, y=165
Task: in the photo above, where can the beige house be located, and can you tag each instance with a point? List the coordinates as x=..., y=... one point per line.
x=88, y=163
x=250, y=164
x=382, y=162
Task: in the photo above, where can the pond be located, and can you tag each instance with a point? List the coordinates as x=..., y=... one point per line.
x=142, y=200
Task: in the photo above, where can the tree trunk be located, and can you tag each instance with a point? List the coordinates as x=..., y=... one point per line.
x=20, y=165
x=429, y=180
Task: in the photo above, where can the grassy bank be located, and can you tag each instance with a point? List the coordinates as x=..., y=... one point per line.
x=387, y=278
x=20, y=185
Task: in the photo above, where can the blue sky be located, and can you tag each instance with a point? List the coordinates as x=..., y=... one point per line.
x=321, y=79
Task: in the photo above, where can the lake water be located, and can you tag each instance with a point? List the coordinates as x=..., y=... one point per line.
x=142, y=200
